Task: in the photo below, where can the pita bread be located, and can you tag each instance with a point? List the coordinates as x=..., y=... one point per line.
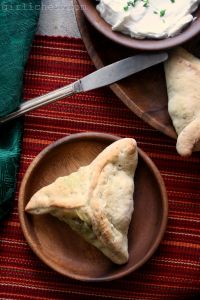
x=97, y=200
x=182, y=72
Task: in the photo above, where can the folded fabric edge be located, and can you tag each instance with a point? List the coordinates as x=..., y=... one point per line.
x=9, y=162
x=16, y=34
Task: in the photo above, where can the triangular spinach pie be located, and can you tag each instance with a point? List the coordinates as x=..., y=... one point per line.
x=97, y=200
x=182, y=72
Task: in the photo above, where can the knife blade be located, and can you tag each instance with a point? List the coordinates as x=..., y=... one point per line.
x=102, y=77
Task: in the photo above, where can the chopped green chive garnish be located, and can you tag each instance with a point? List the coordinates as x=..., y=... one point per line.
x=125, y=8
x=130, y=3
x=146, y=3
x=134, y=2
x=162, y=12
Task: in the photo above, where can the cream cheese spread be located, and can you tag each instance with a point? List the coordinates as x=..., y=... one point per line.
x=158, y=19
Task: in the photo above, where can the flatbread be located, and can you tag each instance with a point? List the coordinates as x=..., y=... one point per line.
x=182, y=72
x=97, y=200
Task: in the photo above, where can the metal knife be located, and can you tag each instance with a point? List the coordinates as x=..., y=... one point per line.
x=102, y=77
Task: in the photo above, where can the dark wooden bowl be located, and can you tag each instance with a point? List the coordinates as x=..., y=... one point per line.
x=60, y=247
x=89, y=9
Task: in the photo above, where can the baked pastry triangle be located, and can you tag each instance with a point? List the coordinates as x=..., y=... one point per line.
x=97, y=200
x=182, y=72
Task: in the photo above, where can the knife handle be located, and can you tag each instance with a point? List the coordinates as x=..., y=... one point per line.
x=37, y=102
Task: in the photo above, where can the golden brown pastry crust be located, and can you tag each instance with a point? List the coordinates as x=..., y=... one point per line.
x=97, y=200
x=182, y=76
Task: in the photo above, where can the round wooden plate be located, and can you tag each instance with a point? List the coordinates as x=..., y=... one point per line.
x=60, y=247
x=143, y=93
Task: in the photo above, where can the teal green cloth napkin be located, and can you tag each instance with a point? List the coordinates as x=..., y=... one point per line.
x=18, y=20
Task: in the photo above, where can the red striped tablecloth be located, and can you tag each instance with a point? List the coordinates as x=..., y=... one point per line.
x=174, y=270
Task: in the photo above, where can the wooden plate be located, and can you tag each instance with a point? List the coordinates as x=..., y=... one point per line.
x=61, y=248
x=89, y=9
x=143, y=93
